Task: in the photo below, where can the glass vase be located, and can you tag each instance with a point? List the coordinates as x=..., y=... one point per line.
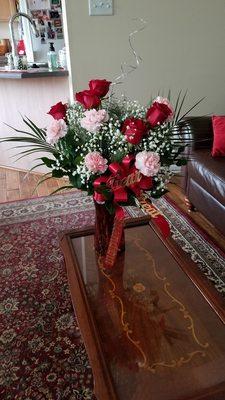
x=104, y=221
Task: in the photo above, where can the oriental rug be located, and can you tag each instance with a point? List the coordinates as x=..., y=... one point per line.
x=42, y=356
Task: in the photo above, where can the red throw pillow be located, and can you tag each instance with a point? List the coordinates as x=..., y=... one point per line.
x=218, y=149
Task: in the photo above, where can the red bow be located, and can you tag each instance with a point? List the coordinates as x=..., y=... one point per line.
x=123, y=176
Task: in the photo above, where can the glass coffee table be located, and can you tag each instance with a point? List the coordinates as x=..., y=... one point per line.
x=152, y=326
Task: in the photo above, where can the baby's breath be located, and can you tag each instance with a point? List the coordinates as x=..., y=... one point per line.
x=111, y=143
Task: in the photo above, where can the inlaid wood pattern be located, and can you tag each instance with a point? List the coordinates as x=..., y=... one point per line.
x=147, y=327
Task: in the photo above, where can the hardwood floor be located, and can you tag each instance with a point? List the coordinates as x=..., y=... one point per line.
x=17, y=185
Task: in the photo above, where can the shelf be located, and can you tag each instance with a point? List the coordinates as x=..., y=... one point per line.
x=34, y=73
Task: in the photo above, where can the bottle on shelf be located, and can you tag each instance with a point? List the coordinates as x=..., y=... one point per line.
x=62, y=58
x=52, y=57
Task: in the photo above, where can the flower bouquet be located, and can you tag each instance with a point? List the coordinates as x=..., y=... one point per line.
x=114, y=149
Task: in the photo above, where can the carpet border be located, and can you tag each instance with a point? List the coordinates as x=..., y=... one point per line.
x=34, y=198
x=194, y=225
x=201, y=231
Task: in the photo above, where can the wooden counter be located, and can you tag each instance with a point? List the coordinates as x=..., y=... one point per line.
x=32, y=98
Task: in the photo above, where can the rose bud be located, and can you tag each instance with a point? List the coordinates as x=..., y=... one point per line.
x=58, y=111
x=159, y=112
x=88, y=99
x=99, y=86
x=134, y=129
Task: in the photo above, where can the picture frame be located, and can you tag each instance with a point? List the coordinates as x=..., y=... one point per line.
x=54, y=14
x=57, y=23
x=55, y=2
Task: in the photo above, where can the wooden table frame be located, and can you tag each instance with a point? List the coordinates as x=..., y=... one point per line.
x=103, y=386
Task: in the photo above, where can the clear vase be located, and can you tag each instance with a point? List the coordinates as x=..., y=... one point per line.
x=104, y=222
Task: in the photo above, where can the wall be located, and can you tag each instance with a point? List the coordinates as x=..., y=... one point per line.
x=4, y=30
x=183, y=47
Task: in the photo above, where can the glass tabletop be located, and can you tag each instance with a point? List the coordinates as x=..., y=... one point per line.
x=159, y=336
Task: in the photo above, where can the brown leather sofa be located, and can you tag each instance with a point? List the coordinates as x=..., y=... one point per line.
x=204, y=175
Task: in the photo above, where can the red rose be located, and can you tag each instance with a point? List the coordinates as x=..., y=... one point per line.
x=134, y=129
x=58, y=111
x=88, y=99
x=158, y=113
x=99, y=86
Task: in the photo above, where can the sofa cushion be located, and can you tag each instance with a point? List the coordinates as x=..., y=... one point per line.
x=218, y=148
x=209, y=172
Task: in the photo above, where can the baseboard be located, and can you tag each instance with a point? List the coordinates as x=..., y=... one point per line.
x=21, y=170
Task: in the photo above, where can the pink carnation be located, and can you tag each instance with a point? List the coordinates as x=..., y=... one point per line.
x=94, y=119
x=164, y=100
x=95, y=162
x=148, y=163
x=56, y=130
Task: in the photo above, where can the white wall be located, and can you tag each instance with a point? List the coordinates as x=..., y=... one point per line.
x=4, y=30
x=183, y=47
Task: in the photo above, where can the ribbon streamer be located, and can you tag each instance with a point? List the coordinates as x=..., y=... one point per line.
x=115, y=239
x=125, y=178
x=127, y=69
x=158, y=218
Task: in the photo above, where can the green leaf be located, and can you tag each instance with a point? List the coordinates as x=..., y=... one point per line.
x=110, y=206
x=48, y=162
x=78, y=160
x=159, y=193
x=90, y=191
x=57, y=173
x=61, y=188
x=190, y=109
x=27, y=152
x=181, y=162
x=107, y=193
x=33, y=142
x=39, y=132
x=20, y=131
x=177, y=102
x=36, y=166
x=44, y=178
x=75, y=180
x=180, y=149
x=180, y=107
x=118, y=156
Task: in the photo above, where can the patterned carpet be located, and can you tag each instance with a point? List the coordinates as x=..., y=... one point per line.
x=208, y=256
x=42, y=356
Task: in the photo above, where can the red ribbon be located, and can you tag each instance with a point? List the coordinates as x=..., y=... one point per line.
x=124, y=177
x=98, y=196
x=157, y=217
x=115, y=238
x=161, y=223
